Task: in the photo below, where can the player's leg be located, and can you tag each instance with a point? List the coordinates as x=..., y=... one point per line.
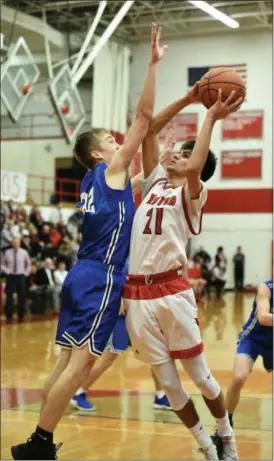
x=197, y=370
x=59, y=395
x=79, y=399
x=87, y=328
x=183, y=406
x=118, y=342
x=61, y=364
x=242, y=367
x=160, y=400
x=246, y=354
x=151, y=346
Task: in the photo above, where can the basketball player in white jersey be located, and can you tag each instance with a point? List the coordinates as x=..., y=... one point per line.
x=160, y=304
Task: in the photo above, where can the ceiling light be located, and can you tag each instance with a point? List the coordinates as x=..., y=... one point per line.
x=227, y=20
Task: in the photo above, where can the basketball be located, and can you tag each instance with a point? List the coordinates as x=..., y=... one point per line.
x=222, y=78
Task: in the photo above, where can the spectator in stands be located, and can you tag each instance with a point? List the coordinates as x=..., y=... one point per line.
x=63, y=251
x=202, y=254
x=36, y=249
x=220, y=257
x=35, y=217
x=56, y=215
x=54, y=236
x=219, y=278
x=73, y=227
x=16, y=266
x=45, y=280
x=5, y=209
x=6, y=237
x=59, y=278
x=239, y=264
x=48, y=250
x=25, y=241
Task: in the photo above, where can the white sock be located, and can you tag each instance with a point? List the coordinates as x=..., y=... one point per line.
x=199, y=433
x=160, y=394
x=223, y=426
x=80, y=391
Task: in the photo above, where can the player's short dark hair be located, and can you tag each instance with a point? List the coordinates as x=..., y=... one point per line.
x=85, y=144
x=210, y=164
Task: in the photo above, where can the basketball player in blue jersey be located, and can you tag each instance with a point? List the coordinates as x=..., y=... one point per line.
x=255, y=338
x=92, y=290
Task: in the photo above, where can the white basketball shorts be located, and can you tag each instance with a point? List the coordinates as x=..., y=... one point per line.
x=161, y=317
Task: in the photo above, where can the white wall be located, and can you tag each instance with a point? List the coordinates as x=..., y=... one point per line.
x=253, y=49
x=35, y=157
x=252, y=231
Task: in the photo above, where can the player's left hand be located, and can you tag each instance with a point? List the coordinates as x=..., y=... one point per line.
x=193, y=94
x=222, y=109
x=157, y=51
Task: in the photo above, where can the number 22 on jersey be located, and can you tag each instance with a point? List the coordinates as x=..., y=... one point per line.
x=154, y=222
x=88, y=199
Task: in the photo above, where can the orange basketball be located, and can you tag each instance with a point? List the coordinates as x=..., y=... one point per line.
x=224, y=78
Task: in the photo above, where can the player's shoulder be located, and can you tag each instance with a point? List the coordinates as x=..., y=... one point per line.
x=265, y=287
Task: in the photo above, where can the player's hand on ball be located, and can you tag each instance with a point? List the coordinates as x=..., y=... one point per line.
x=157, y=51
x=222, y=109
x=193, y=93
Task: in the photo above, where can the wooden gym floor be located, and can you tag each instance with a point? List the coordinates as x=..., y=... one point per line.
x=124, y=425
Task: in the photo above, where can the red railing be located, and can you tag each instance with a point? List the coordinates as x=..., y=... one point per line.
x=63, y=190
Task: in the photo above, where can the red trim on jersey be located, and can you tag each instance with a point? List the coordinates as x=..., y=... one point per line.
x=145, y=287
x=154, y=183
x=187, y=353
x=187, y=215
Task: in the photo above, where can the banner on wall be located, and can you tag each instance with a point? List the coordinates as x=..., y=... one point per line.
x=13, y=186
x=186, y=127
x=242, y=164
x=243, y=125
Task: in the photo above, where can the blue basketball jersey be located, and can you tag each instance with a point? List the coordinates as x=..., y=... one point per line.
x=108, y=217
x=252, y=328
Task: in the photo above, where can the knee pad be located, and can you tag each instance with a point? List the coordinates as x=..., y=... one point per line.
x=209, y=387
x=168, y=377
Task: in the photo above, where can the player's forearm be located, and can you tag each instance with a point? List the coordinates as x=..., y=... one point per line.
x=163, y=117
x=199, y=154
x=265, y=320
x=146, y=102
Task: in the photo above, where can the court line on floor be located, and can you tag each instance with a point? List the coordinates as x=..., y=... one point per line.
x=102, y=417
x=134, y=431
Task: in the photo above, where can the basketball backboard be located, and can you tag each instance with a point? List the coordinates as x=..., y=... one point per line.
x=68, y=102
x=18, y=71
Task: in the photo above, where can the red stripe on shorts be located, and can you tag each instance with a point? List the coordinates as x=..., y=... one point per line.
x=188, y=353
x=155, y=290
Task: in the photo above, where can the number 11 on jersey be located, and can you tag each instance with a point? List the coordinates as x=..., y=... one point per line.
x=158, y=214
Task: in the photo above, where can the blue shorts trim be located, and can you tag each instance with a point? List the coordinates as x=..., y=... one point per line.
x=249, y=348
x=90, y=306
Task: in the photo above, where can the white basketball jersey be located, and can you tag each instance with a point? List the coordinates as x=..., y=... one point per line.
x=163, y=224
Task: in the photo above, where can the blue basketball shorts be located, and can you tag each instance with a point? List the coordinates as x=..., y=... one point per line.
x=90, y=305
x=119, y=340
x=252, y=349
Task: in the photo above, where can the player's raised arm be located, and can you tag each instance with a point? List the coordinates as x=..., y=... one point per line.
x=144, y=112
x=199, y=154
x=265, y=318
x=150, y=147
